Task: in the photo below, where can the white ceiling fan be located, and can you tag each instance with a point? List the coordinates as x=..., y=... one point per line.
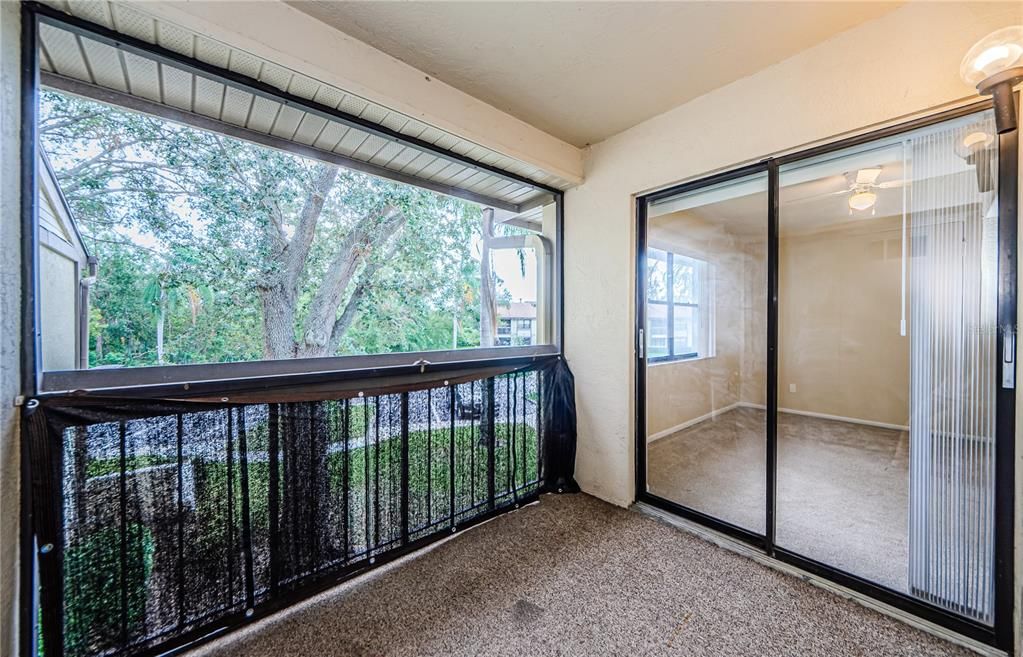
x=861, y=186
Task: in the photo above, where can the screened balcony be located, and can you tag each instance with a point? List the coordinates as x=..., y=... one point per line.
x=342, y=336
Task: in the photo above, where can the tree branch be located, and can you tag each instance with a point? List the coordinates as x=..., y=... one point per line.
x=297, y=250
x=344, y=322
x=322, y=317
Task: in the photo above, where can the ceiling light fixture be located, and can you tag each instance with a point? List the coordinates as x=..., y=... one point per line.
x=977, y=141
x=861, y=201
x=972, y=148
x=995, y=65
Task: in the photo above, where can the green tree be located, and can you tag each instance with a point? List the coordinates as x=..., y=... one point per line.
x=216, y=249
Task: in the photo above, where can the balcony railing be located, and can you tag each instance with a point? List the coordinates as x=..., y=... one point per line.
x=159, y=522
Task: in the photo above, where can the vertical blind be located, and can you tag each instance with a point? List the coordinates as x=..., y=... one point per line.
x=953, y=320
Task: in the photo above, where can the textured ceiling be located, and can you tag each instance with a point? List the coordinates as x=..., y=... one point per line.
x=584, y=71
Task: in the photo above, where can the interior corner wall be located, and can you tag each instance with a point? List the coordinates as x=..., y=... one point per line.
x=10, y=319
x=901, y=64
x=840, y=347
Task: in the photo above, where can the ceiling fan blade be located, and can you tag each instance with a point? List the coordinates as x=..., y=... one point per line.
x=817, y=197
x=868, y=176
x=890, y=184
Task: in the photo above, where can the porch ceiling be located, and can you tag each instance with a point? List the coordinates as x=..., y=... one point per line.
x=583, y=71
x=94, y=67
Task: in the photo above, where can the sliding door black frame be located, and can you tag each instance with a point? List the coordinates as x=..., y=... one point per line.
x=1000, y=634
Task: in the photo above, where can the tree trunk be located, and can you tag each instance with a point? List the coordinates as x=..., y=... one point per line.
x=279, y=292
x=278, y=322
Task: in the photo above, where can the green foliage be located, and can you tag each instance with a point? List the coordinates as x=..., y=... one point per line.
x=184, y=224
x=385, y=456
x=92, y=622
x=102, y=467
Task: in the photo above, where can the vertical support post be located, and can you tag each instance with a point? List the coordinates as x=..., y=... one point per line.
x=31, y=359
x=29, y=588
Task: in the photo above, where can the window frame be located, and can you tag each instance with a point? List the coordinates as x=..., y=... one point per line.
x=704, y=319
x=167, y=379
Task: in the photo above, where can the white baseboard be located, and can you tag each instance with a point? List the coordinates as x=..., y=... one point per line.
x=741, y=404
x=841, y=418
x=689, y=423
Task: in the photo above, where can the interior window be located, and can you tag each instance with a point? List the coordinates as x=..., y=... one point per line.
x=679, y=329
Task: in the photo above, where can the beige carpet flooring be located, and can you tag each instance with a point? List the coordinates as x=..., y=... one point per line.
x=575, y=576
x=843, y=488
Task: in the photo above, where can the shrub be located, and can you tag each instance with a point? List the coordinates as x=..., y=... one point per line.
x=93, y=579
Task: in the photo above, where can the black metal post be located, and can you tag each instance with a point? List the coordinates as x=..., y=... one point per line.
x=491, y=446
x=273, y=503
x=29, y=362
x=771, y=481
x=1005, y=413
x=404, y=468
x=640, y=346
x=243, y=471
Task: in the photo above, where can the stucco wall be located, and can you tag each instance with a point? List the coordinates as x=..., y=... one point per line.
x=10, y=308
x=902, y=64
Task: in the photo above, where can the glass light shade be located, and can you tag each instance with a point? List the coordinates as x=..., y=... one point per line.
x=862, y=200
x=997, y=52
x=972, y=142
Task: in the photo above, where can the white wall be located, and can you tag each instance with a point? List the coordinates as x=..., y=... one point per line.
x=898, y=65
x=10, y=320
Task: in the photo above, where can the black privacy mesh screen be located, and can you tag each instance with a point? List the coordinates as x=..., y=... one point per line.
x=178, y=517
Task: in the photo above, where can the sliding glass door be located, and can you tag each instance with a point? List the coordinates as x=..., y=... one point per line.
x=823, y=372
x=705, y=342
x=887, y=352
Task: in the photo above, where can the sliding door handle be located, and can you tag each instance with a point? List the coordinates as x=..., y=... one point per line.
x=642, y=344
x=1009, y=359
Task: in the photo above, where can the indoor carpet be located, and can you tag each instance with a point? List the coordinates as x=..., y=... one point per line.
x=572, y=575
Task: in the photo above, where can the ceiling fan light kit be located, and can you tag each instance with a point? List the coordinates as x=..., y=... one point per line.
x=861, y=201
